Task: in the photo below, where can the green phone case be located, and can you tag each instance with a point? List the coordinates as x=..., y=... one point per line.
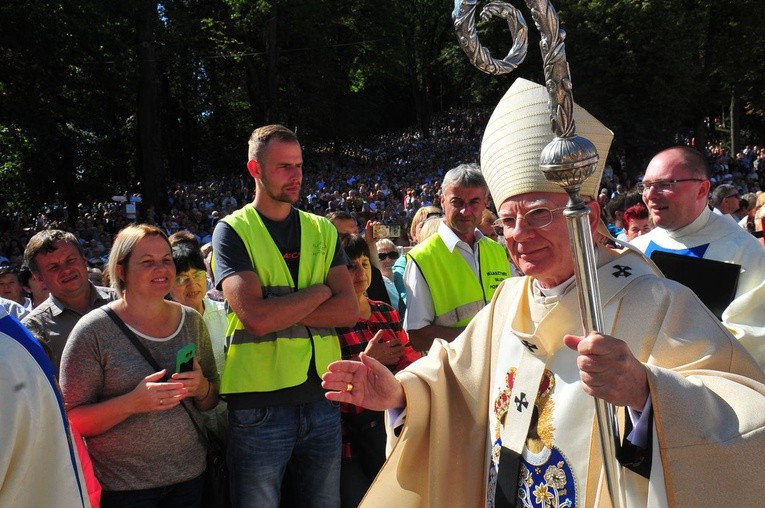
x=184, y=361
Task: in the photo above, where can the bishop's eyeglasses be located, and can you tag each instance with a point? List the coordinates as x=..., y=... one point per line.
x=536, y=218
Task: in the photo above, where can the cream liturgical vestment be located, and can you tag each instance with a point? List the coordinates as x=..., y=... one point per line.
x=509, y=378
x=717, y=237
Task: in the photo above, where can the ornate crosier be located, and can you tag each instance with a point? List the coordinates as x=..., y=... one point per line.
x=567, y=160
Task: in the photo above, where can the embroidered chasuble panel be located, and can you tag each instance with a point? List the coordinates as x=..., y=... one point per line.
x=553, y=441
x=554, y=437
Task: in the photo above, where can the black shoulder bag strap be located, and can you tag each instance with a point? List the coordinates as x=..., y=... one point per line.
x=150, y=359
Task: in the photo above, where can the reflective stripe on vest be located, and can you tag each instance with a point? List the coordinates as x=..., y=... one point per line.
x=463, y=313
x=279, y=359
x=457, y=294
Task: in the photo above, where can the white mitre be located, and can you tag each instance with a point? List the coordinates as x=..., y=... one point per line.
x=517, y=132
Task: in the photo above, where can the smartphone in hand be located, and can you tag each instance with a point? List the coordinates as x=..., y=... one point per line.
x=184, y=360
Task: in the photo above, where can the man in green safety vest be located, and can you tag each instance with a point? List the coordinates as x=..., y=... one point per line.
x=284, y=276
x=453, y=274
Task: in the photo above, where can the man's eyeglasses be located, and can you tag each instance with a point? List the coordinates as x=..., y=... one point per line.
x=662, y=186
x=393, y=255
x=182, y=280
x=536, y=218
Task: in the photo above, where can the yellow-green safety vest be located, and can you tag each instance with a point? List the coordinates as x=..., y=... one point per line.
x=457, y=294
x=279, y=359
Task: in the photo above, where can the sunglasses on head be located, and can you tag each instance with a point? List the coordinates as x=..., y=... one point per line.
x=387, y=255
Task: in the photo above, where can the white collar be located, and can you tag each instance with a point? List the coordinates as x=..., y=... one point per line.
x=451, y=239
x=556, y=291
x=694, y=227
x=564, y=286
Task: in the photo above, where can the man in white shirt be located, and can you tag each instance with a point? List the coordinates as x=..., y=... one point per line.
x=453, y=274
x=725, y=199
x=13, y=308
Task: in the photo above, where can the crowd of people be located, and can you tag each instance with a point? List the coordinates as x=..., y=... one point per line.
x=304, y=289
x=370, y=180
x=386, y=180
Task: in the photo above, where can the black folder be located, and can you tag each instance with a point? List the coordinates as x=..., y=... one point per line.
x=714, y=282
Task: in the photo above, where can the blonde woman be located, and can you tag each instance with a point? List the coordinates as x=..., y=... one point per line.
x=487, y=227
x=419, y=218
x=429, y=227
x=145, y=448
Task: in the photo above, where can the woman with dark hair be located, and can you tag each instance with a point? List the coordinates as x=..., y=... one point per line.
x=36, y=289
x=145, y=447
x=189, y=289
x=380, y=335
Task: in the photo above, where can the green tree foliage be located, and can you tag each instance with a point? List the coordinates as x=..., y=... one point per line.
x=58, y=107
x=75, y=77
x=625, y=73
x=731, y=64
x=655, y=70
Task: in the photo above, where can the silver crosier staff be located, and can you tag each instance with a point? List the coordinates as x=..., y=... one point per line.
x=567, y=160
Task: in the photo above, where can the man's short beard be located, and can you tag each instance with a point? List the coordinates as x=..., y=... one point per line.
x=282, y=197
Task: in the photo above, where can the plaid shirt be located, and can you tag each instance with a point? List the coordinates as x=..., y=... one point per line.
x=354, y=341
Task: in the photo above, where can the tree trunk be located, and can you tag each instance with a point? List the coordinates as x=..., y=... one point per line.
x=700, y=131
x=150, y=164
x=703, y=92
x=272, y=72
x=68, y=185
x=422, y=108
x=418, y=81
x=735, y=125
x=251, y=82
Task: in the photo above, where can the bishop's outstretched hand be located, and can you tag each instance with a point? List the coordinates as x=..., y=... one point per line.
x=366, y=383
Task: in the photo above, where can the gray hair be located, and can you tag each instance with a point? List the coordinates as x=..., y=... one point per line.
x=721, y=192
x=751, y=200
x=464, y=175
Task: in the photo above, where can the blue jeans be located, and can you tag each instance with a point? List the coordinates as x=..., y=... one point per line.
x=186, y=494
x=263, y=441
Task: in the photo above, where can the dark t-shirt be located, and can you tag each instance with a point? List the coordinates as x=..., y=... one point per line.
x=286, y=235
x=231, y=257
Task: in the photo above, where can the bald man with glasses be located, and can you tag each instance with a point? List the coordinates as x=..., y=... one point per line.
x=675, y=189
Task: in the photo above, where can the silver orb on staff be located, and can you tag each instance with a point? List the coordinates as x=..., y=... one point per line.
x=568, y=160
